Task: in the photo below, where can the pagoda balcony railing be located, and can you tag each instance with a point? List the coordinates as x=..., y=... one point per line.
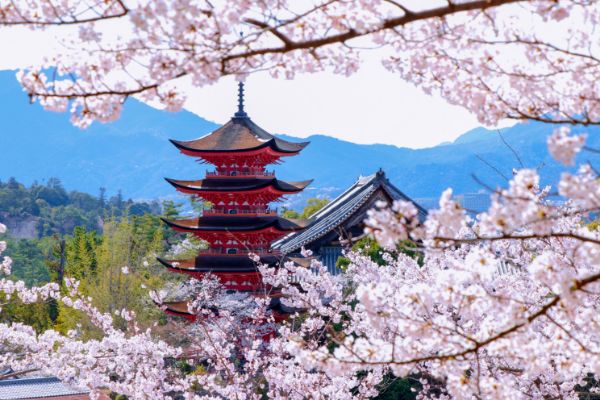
x=238, y=252
x=226, y=211
x=235, y=174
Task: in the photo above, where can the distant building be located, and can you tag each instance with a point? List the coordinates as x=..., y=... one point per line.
x=474, y=203
x=42, y=388
x=343, y=219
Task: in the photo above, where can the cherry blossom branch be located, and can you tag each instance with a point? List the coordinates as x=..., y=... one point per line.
x=17, y=373
x=290, y=45
x=478, y=239
x=11, y=15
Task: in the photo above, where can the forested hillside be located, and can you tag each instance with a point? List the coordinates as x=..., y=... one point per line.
x=44, y=209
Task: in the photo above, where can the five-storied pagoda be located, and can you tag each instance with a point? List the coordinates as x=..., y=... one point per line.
x=239, y=189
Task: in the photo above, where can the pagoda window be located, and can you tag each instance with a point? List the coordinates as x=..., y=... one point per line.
x=232, y=251
x=233, y=173
x=233, y=211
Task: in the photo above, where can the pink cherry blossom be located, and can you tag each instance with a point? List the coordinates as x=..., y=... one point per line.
x=563, y=147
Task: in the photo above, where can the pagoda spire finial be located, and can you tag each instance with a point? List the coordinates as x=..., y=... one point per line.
x=240, y=112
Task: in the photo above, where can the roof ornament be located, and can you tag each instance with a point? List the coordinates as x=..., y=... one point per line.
x=240, y=112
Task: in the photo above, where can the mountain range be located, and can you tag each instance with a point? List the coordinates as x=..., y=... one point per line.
x=133, y=154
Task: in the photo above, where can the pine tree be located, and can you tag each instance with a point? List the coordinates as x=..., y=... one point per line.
x=171, y=211
x=102, y=197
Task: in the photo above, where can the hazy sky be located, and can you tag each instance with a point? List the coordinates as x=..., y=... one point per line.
x=372, y=106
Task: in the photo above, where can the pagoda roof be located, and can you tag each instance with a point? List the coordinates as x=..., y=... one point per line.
x=235, y=223
x=335, y=213
x=177, y=307
x=181, y=307
x=216, y=264
x=239, y=134
x=237, y=184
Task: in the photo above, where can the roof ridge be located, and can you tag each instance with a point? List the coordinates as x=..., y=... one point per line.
x=359, y=181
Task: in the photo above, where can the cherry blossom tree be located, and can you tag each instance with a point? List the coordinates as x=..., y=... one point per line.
x=136, y=359
x=497, y=58
x=503, y=305
x=512, y=297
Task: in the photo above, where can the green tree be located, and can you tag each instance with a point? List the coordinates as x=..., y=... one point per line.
x=56, y=261
x=28, y=261
x=313, y=205
x=28, y=266
x=171, y=210
x=198, y=205
x=102, y=197
x=36, y=315
x=117, y=269
x=53, y=193
x=81, y=248
x=289, y=213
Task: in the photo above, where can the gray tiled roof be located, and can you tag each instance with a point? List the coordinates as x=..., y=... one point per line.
x=29, y=388
x=335, y=213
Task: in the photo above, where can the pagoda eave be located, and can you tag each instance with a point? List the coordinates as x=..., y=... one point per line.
x=201, y=267
x=277, y=315
x=177, y=309
x=275, y=226
x=265, y=149
x=190, y=317
x=229, y=193
x=272, y=186
x=181, y=309
x=242, y=280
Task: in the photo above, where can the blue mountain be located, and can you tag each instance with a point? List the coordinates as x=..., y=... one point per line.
x=133, y=154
